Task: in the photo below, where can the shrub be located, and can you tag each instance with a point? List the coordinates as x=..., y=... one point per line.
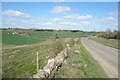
x=110, y=35
x=58, y=45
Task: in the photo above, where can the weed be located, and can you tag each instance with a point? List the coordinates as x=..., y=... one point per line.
x=58, y=45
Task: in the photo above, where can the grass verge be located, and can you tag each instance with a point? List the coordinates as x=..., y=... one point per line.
x=111, y=43
x=80, y=64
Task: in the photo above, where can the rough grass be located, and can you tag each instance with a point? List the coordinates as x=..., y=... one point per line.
x=87, y=66
x=111, y=43
x=17, y=39
x=58, y=45
x=21, y=62
x=60, y=33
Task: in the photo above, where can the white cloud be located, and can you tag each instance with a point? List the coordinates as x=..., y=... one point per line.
x=72, y=24
x=49, y=23
x=77, y=17
x=66, y=18
x=86, y=24
x=16, y=14
x=60, y=9
x=57, y=20
x=113, y=13
x=52, y=25
x=28, y=22
x=43, y=19
x=7, y=25
x=110, y=21
x=10, y=20
x=67, y=24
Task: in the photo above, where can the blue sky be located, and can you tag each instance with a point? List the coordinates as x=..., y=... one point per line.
x=87, y=16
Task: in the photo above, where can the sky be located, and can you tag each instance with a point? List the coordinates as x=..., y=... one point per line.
x=86, y=16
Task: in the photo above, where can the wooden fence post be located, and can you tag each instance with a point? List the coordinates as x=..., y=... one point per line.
x=37, y=62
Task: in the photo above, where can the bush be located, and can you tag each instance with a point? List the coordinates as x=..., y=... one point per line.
x=110, y=35
x=58, y=45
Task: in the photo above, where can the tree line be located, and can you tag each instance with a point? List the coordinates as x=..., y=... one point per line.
x=108, y=34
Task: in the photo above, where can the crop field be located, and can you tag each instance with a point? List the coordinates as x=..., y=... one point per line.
x=41, y=33
x=52, y=33
x=70, y=34
x=17, y=39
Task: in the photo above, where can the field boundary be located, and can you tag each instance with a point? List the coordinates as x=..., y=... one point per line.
x=53, y=65
x=21, y=46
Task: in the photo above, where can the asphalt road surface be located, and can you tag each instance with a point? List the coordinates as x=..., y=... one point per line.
x=106, y=56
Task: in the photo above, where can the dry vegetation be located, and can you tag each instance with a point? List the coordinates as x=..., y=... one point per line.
x=110, y=35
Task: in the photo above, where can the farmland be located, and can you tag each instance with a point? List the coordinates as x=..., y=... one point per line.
x=111, y=43
x=22, y=61
x=17, y=39
x=59, y=39
x=60, y=33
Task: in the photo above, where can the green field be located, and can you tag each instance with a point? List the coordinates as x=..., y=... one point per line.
x=111, y=43
x=70, y=34
x=60, y=33
x=21, y=62
x=87, y=67
x=17, y=39
x=41, y=33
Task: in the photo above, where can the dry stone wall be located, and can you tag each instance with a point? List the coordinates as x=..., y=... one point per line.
x=52, y=64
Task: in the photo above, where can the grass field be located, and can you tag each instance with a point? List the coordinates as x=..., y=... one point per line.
x=41, y=33
x=112, y=43
x=69, y=34
x=16, y=39
x=86, y=66
x=60, y=33
x=21, y=62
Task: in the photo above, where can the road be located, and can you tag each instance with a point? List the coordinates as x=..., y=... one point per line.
x=106, y=56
